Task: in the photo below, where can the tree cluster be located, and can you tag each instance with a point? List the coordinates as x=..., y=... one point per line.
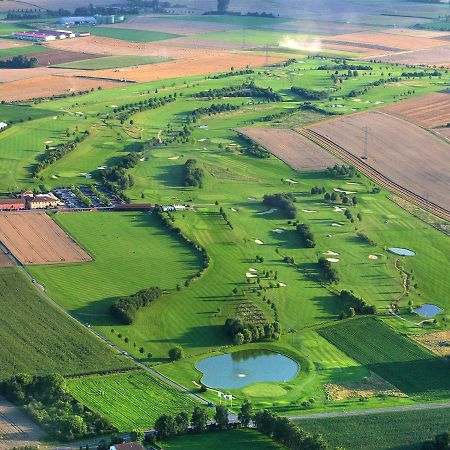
x=338, y=171
x=87, y=202
x=46, y=399
x=232, y=73
x=242, y=332
x=422, y=74
x=318, y=190
x=284, y=201
x=18, y=62
x=256, y=150
x=310, y=94
x=193, y=175
x=243, y=90
x=167, y=426
x=306, y=235
x=356, y=305
x=329, y=272
x=288, y=434
x=125, y=111
x=345, y=66
x=211, y=110
x=366, y=239
x=124, y=309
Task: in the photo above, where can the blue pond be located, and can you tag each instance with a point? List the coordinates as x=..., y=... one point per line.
x=428, y=310
x=402, y=251
x=239, y=369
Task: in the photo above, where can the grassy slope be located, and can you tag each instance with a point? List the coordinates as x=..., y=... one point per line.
x=406, y=365
x=130, y=35
x=236, y=439
x=47, y=341
x=25, y=50
x=111, y=62
x=399, y=430
x=15, y=113
x=130, y=401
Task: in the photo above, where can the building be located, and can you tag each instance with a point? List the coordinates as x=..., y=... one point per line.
x=12, y=204
x=3, y=125
x=77, y=21
x=69, y=34
x=57, y=33
x=40, y=201
x=33, y=36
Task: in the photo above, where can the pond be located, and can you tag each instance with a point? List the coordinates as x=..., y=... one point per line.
x=402, y=251
x=428, y=310
x=239, y=369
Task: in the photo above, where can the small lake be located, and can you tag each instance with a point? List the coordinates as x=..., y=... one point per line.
x=428, y=310
x=239, y=369
x=402, y=251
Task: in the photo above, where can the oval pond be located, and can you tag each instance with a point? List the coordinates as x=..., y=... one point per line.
x=239, y=369
x=428, y=310
x=402, y=251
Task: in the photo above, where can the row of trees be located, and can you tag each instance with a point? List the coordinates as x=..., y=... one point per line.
x=329, y=272
x=356, y=305
x=284, y=201
x=193, y=175
x=366, y=239
x=243, y=332
x=18, y=62
x=254, y=149
x=243, y=90
x=124, y=309
x=87, y=202
x=46, y=399
x=232, y=73
x=341, y=171
x=125, y=111
x=342, y=65
x=310, y=94
x=211, y=110
x=306, y=235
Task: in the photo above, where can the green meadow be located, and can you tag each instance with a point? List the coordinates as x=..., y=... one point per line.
x=22, y=50
x=111, y=62
x=125, y=34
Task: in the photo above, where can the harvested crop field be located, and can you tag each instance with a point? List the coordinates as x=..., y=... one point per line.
x=444, y=132
x=291, y=147
x=34, y=238
x=51, y=57
x=16, y=430
x=438, y=56
x=396, y=150
x=46, y=86
x=438, y=342
x=430, y=110
x=9, y=43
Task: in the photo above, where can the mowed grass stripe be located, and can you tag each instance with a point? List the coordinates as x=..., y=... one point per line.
x=129, y=401
x=403, y=363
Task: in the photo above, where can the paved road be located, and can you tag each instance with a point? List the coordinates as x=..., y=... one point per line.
x=363, y=412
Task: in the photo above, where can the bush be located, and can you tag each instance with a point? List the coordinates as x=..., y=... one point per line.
x=176, y=353
x=284, y=201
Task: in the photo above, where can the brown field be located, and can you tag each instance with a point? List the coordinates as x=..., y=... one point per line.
x=46, y=86
x=430, y=110
x=7, y=5
x=16, y=430
x=396, y=150
x=187, y=42
x=444, y=132
x=191, y=66
x=438, y=56
x=184, y=27
x=438, y=342
x=11, y=43
x=310, y=26
x=291, y=147
x=34, y=238
x=52, y=57
x=363, y=51
x=387, y=41
x=427, y=34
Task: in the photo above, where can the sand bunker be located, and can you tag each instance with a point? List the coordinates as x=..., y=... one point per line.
x=250, y=275
x=234, y=210
x=330, y=253
x=281, y=284
x=373, y=257
x=270, y=211
x=259, y=242
x=308, y=211
x=336, y=225
x=344, y=192
x=338, y=209
x=252, y=270
x=278, y=231
x=251, y=198
x=48, y=142
x=291, y=181
x=333, y=260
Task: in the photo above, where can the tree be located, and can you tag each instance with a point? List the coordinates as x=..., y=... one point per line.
x=245, y=414
x=221, y=417
x=199, y=419
x=165, y=426
x=182, y=422
x=238, y=339
x=137, y=435
x=176, y=353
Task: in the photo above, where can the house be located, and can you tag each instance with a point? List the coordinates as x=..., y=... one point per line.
x=127, y=446
x=33, y=36
x=56, y=33
x=12, y=204
x=42, y=201
x=77, y=21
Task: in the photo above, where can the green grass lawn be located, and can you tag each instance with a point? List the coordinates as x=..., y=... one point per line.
x=406, y=365
x=129, y=35
x=111, y=62
x=37, y=338
x=22, y=50
x=236, y=440
x=400, y=430
x=130, y=400
x=17, y=113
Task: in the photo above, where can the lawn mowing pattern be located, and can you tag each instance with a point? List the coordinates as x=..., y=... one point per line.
x=403, y=363
x=37, y=338
x=111, y=62
x=130, y=35
x=22, y=50
x=225, y=440
x=130, y=400
x=399, y=430
x=16, y=113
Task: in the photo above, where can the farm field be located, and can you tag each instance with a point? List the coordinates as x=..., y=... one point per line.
x=20, y=49
x=430, y=111
x=36, y=239
x=399, y=430
x=412, y=369
x=426, y=175
x=129, y=35
x=131, y=400
x=53, y=57
x=50, y=341
x=291, y=147
x=110, y=62
x=437, y=56
x=16, y=113
x=236, y=439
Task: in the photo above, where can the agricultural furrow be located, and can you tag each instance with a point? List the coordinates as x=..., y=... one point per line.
x=374, y=174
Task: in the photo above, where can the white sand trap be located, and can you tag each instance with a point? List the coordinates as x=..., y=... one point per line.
x=114, y=106
x=259, y=242
x=378, y=103
x=203, y=127
x=101, y=167
x=354, y=183
x=336, y=225
x=345, y=192
x=54, y=177
x=357, y=100
x=373, y=257
x=202, y=140
x=331, y=253
x=251, y=198
x=234, y=210
x=51, y=148
x=252, y=270
x=333, y=260
x=55, y=117
x=48, y=142
x=251, y=275
x=282, y=284
x=309, y=211
x=278, y=231
x=174, y=158
x=142, y=159
x=291, y=181
x=270, y=211
x=338, y=209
